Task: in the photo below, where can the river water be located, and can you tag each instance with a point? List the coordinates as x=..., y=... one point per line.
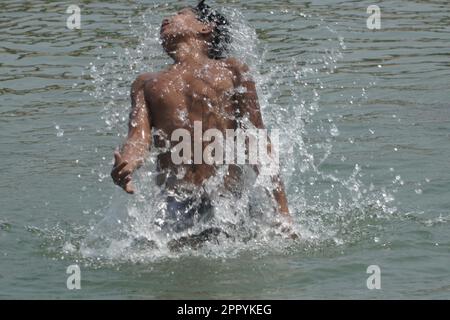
x=364, y=120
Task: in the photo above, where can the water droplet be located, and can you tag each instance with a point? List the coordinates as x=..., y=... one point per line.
x=334, y=131
x=59, y=131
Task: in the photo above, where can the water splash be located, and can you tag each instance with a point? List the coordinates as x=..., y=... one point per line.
x=328, y=209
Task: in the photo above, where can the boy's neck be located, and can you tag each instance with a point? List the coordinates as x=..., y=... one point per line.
x=191, y=51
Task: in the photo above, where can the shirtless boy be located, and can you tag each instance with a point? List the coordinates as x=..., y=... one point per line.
x=202, y=85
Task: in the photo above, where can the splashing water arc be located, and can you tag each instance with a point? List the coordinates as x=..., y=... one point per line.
x=328, y=209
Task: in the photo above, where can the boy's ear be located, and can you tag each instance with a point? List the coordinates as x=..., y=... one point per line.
x=208, y=28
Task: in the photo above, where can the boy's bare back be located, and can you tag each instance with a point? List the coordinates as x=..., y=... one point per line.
x=184, y=94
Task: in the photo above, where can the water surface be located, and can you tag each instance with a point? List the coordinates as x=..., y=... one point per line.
x=366, y=113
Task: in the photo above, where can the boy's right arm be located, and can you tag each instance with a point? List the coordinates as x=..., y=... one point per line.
x=138, y=142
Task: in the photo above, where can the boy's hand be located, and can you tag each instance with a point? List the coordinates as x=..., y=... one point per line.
x=121, y=174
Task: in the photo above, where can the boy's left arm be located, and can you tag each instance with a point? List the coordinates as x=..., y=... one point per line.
x=248, y=106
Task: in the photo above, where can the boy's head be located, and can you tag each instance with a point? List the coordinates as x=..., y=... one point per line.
x=201, y=22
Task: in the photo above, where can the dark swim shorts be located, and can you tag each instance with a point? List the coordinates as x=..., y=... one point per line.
x=182, y=214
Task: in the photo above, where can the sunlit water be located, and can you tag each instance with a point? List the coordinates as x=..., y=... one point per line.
x=364, y=124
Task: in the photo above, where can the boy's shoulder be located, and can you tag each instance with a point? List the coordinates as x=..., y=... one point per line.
x=142, y=80
x=144, y=77
x=241, y=71
x=237, y=66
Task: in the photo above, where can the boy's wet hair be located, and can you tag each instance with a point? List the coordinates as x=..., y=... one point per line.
x=221, y=37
